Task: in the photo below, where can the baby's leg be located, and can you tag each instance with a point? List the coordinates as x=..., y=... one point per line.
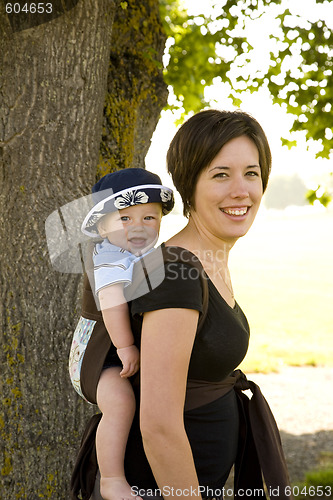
x=116, y=401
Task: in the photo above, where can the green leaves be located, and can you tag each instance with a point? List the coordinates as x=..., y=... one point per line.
x=307, y=90
x=289, y=144
x=314, y=195
x=204, y=47
x=196, y=43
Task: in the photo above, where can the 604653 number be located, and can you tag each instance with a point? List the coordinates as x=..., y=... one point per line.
x=309, y=491
x=29, y=8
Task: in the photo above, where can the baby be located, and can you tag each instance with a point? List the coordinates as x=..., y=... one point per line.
x=129, y=205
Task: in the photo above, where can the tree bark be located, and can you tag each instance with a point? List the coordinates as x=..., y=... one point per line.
x=52, y=88
x=55, y=140
x=136, y=89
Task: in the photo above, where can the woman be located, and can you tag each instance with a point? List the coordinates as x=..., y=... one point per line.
x=220, y=163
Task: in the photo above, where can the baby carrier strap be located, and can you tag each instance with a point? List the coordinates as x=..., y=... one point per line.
x=89, y=303
x=89, y=307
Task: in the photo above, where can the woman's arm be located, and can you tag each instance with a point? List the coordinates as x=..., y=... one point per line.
x=166, y=346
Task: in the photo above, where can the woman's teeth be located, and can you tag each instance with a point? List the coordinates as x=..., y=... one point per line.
x=241, y=211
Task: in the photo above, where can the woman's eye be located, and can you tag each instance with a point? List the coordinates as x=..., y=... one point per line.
x=252, y=173
x=220, y=175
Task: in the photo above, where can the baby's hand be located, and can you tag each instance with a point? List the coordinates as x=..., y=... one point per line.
x=130, y=358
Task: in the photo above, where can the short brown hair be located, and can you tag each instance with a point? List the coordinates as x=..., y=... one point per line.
x=200, y=139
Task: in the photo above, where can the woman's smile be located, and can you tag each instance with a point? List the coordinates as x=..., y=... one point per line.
x=235, y=211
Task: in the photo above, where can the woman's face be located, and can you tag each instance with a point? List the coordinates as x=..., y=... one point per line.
x=229, y=191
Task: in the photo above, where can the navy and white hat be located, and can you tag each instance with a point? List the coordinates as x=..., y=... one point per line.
x=122, y=189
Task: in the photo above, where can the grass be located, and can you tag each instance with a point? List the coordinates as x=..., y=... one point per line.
x=289, y=330
x=319, y=482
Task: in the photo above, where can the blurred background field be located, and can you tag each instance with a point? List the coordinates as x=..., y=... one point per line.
x=282, y=276
x=282, y=270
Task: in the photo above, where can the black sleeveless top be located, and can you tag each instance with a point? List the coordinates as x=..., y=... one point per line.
x=218, y=348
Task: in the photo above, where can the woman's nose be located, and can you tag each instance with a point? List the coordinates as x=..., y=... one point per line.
x=239, y=188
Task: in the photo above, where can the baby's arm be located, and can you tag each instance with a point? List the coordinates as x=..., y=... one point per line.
x=116, y=318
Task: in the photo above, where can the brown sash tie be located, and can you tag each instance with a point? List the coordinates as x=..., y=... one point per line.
x=260, y=447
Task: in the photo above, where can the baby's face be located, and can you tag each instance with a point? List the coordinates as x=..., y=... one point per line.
x=135, y=228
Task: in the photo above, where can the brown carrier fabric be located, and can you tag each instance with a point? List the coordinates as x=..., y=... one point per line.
x=260, y=450
x=85, y=468
x=97, y=347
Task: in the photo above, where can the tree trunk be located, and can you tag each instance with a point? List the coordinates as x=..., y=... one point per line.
x=52, y=89
x=53, y=83
x=136, y=90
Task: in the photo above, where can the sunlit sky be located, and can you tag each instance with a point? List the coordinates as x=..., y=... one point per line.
x=275, y=121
